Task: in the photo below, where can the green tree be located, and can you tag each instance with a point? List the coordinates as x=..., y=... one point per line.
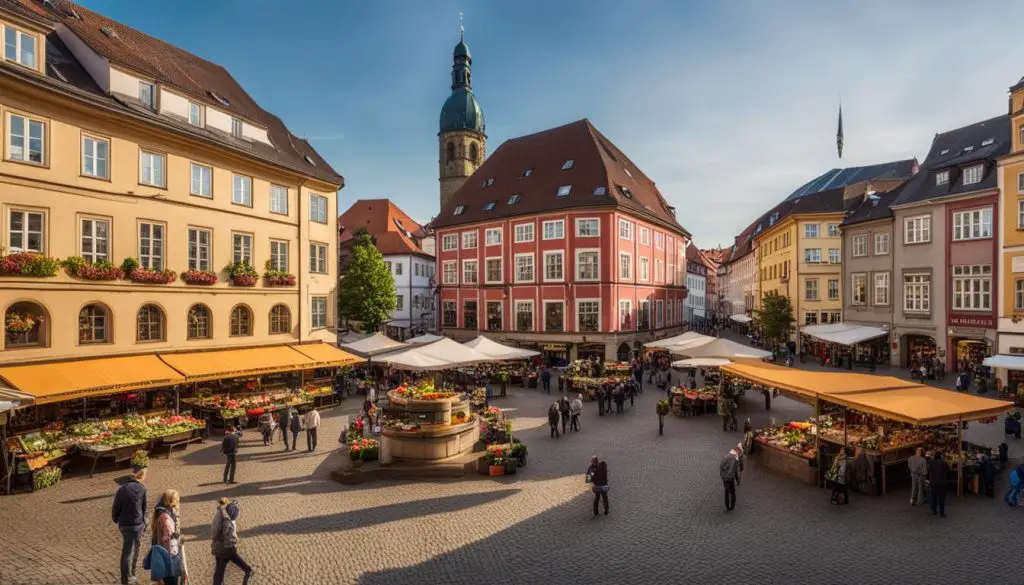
x=367, y=292
x=776, y=317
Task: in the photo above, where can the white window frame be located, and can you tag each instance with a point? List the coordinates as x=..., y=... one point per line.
x=241, y=247
x=645, y=236
x=920, y=284
x=581, y=221
x=808, y=320
x=1020, y=212
x=146, y=156
x=318, y=312
x=544, y=313
x=643, y=269
x=526, y=233
x=195, y=257
x=533, y=268
x=1018, y=295
x=942, y=177
x=629, y=265
x=204, y=172
x=808, y=256
x=659, y=313
x=860, y=246
x=19, y=47
x=469, y=240
x=861, y=298
x=280, y=255
x=237, y=127
x=492, y=241
x=450, y=273
x=195, y=114
x=881, y=244
x=278, y=199
x=972, y=287
x=26, y=139
x=25, y=232
x=881, y=281
x=835, y=256
x=549, y=254
x=972, y=224
x=241, y=190
x=808, y=230
x=449, y=242
x=973, y=174
x=487, y=271
x=555, y=225
x=95, y=160
x=93, y=257
x=836, y=296
x=444, y=311
x=832, y=229
x=628, y=304
x=625, y=230
x=579, y=329
x=659, y=241
x=808, y=289
x=475, y=271
x=148, y=258
x=917, y=229
x=318, y=258
x=318, y=211
x=144, y=87
x=578, y=264
x=516, y=303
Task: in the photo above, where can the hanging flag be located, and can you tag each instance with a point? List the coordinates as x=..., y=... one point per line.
x=839, y=133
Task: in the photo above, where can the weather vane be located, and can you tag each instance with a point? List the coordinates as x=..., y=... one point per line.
x=462, y=28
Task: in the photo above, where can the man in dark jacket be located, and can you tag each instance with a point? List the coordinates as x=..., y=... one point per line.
x=229, y=447
x=545, y=378
x=938, y=471
x=729, y=470
x=129, y=513
x=286, y=416
x=553, y=419
x=563, y=411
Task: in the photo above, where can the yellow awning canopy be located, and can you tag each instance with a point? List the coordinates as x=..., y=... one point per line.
x=327, y=355
x=811, y=384
x=201, y=366
x=923, y=405
x=67, y=380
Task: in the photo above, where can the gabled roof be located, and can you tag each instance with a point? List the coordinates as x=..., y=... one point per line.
x=900, y=169
x=872, y=207
x=395, y=231
x=979, y=143
x=596, y=164
x=174, y=67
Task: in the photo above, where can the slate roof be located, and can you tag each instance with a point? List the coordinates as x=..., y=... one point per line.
x=597, y=163
x=953, y=151
x=395, y=231
x=900, y=169
x=872, y=207
x=186, y=73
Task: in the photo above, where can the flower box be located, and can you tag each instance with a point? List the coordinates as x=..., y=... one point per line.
x=90, y=272
x=496, y=470
x=17, y=324
x=28, y=264
x=201, y=277
x=145, y=276
x=244, y=279
x=271, y=279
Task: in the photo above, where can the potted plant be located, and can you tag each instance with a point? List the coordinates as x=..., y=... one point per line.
x=518, y=452
x=46, y=477
x=495, y=461
x=28, y=264
x=77, y=267
x=201, y=277
x=277, y=277
x=242, y=273
x=140, y=460
x=134, y=271
x=18, y=323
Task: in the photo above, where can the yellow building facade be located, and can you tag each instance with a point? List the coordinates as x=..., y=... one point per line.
x=104, y=161
x=1011, y=234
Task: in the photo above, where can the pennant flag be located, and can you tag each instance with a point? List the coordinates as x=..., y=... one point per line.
x=839, y=133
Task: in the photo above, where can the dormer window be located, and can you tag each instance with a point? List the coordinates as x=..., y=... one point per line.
x=972, y=175
x=147, y=95
x=567, y=164
x=459, y=209
x=195, y=114
x=19, y=47
x=513, y=199
x=600, y=191
x=774, y=218
x=942, y=177
x=968, y=148
x=988, y=141
x=236, y=127
x=487, y=183
x=563, y=191
x=490, y=205
x=526, y=172
x=625, y=191
x=222, y=101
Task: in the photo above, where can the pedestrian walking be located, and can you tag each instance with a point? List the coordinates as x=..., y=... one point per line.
x=608, y=395
x=166, y=558
x=597, y=476
x=1012, y=497
x=620, y=398
x=229, y=447
x=729, y=469
x=563, y=411
x=918, y=466
x=266, y=426
x=575, y=410
x=129, y=513
x=545, y=377
x=662, y=380
x=295, y=425
x=224, y=545
x=767, y=399
x=938, y=471
x=662, y=410
x=599, y=394
x=311, y=422
x=286, y=416
x=843, y=471
x=553, y=419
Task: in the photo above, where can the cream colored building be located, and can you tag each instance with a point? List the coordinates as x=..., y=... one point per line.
x=117, y=145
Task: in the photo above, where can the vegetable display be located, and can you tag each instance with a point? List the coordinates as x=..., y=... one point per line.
x=424, y=390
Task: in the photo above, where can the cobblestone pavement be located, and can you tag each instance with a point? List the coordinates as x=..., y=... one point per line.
x=667, y=522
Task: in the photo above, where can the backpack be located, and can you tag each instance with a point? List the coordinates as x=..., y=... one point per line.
x=296, y=423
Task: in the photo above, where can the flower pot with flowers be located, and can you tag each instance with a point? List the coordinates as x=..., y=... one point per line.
x=140, y=460
x=19, y=323
x=496, y=460
x=200, y=277
x=273, y=277
x=363, y=449
x=78, y=267
x=137, y=273
x=28, y=264
x=242, y=273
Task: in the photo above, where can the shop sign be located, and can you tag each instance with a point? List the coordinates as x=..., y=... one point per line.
x=1017, y=350
x=554, y=347
x=982, y=322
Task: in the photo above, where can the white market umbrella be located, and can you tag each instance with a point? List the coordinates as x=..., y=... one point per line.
x=413, y=359
x=425, y=338
x=375, y=344
x=494, y=349
x=719, y=348
x=701, y=363
x=454, y=353
x=688, y=337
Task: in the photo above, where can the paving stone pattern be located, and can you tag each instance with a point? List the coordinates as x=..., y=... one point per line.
x=667, y=522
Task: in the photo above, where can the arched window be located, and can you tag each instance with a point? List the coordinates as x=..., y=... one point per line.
x=150, y=324
x=241, y=320
x=94, y=324
x=199, y=322
x=473, y=151
x=280, y=319
x=25, y=325
x=450, y=152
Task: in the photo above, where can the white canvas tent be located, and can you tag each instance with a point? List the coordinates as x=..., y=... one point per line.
x=377, y=343
x=425, y=338
x=740, y=318
x=496, y=350
x=688, y=337
x=844, y=333
x=701, y=363
x=413, y=359
x=454, y=353
x=352, y=337
x=718, y=348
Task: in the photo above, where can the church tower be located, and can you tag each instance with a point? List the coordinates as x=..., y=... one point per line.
x=461, y=140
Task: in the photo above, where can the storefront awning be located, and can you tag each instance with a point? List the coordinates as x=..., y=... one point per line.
x=740, y=318
x=843, y=333
x=718, y=348
x=327, y=356
x=813, y=384
x=201, y=366
x=67, y=380
x=923, y=405
x=1009, y=362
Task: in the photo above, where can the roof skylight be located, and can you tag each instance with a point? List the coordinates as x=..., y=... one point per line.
x=309, y=160
x=216, y=96
x=490, y=205
x=627, y=172
x=487, y=182
x=513, y=199
x=988, y=141
x=459, y=210
x=563, y=191
x=600, y=191
x=110, y=32
x=625, y=191
x=944, y=151
x=567, y=164
x=526, y=172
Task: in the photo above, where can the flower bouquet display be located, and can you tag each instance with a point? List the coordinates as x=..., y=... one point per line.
x=496, y=460
x=78, y=267
x=423, y=390
x=242, y=273
x=364, y=449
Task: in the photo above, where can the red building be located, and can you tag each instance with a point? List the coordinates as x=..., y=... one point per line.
x=559, y=243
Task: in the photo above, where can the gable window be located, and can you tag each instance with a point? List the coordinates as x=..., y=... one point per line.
x=524, y=315
x=147, y=95
x=625, y=230
x=587, y=265
x=451, y=272
x=524, y=232
x=586, y=228
x=195, y=114
x=199, y=249
x=492, y=274
x=524, y=268
x=554, y=230
x=881, y=244
x=567, y=164
x=917, y=290
x=469, y=272
x=19, y=47
x=95, y=157
x=810, y=230
x=942, y=177
x=279, y=199
x=236, y=127
x=564, y=190
x=860, y=246
x=25, y=231
x=318, y=258
x=95, y=242
x=151, y=169
x=450, y=242
x=513, y=199
x=469, y=314
x=972, y=225
x=278, y=256
x=241, y=248
x=26, y=139
x=492, y=236
x=151, y=245
x=811, y=289
x=317, y=208
x=882, y=288
x=553, y=266
x=917, y=229
x=199, y=322
x=859, y=289
x=241, y=190
x=449, y=314
x=972, y=174
x=468, y=240
x=318, y=312
x=972, y=287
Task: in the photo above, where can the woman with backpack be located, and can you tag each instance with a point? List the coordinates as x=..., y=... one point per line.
x=225, y=541
x=166, y=559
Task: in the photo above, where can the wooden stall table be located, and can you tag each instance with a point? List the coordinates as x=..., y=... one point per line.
x=116, y=455
x=787, y=463
x=183, y=438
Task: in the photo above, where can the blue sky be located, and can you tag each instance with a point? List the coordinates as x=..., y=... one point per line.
x=727, y=106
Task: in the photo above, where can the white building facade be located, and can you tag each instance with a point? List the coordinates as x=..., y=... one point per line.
x=697, y=285
x=415, y=306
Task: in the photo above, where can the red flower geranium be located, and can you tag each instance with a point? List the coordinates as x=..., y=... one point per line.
x=204, y=277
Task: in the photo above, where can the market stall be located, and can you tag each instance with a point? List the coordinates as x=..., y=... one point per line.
x=688, y=337
x=851, y=342
x=586, y=376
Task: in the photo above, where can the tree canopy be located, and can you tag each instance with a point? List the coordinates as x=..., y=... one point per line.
x=367, y=291
x=776, y=317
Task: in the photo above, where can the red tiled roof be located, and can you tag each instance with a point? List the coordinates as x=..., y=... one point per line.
x=386, y=222
x=596, y=163
x=185, y=72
